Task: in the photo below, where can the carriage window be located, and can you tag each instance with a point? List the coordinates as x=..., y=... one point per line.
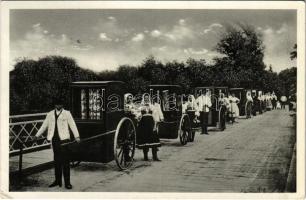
x=83, y=104
x=165, y=100
x=168, y=100
x=91, y=103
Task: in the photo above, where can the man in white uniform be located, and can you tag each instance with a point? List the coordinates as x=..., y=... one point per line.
x=204, y=104
x=57, y=123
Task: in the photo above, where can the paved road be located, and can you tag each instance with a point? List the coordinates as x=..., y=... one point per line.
x=253, y=155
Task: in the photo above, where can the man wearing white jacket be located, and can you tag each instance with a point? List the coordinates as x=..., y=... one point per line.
x=58, y=122
x=204, y=104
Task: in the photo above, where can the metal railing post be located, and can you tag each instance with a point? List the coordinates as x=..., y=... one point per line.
x=20, y=161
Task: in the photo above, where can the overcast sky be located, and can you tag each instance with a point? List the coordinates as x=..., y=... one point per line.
x=105, y=39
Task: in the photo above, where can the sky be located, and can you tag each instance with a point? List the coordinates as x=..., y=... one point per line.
x=105, y=39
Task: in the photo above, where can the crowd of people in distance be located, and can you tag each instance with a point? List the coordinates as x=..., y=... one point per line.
x=148, y=113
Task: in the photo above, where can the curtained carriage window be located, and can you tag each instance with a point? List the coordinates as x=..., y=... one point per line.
x=169, y=100
x=83, y=104
x=165, y=97
x=92, y=103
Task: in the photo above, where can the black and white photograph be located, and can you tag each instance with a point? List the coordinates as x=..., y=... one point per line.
x=160, y=98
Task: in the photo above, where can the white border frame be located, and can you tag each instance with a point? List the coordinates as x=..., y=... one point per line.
x=4, y=97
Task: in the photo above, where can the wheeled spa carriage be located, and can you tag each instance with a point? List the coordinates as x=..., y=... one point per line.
x=245, y=106
x=217, y=112
x=175, y=124
x=106, y=133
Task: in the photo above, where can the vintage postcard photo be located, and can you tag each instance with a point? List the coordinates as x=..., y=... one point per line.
x=152, y=99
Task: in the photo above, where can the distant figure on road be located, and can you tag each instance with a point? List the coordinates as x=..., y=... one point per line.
x=255, y=106
x=269, y=101
x=278, y=105
x=234, y=109
x=204, y=104
x=249, y=104
x=283, y=101
x=274, y=100
x=58, y=122
x=223, y=105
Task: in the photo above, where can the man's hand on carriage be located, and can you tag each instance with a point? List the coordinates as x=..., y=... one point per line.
x=77, y=139
x=35, y=138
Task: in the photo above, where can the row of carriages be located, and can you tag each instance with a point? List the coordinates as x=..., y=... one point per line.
x=109, y=133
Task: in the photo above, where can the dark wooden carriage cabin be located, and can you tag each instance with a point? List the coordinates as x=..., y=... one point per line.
x=97, y=107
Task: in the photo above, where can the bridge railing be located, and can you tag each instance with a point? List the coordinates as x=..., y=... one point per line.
x=22, y=129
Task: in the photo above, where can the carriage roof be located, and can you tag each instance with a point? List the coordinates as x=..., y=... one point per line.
x=176, y=88
x=95, y=83
x=223, y=87
x=212, y=87
x=165, y=85
x=204, y=87
x=232, y=89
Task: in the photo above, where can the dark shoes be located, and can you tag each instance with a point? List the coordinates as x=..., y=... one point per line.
x=68, y=186
x=156, y=159
x=55, y=183
x=154, y=155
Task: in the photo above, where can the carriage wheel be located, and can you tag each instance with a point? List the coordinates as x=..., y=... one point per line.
x=248, y=109
x=222, y=118
x=74, y=163
x=184, y=129
x=125, y=143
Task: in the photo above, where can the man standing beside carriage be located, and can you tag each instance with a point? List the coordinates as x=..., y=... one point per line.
x=58, y=122
x=204, y=105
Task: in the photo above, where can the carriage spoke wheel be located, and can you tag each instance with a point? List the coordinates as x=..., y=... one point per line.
x=74, y=163
x=184, y=129
x=125, y=143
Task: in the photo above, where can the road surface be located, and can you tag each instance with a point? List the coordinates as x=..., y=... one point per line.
x=252, y=155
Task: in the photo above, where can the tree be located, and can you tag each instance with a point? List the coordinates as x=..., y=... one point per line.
x=288, y=79
x=293, y=53
x=34, y=84
x=152, y=71
x=243, y=52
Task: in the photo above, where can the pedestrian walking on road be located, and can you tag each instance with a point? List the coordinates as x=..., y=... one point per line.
x=58, y=122
x=204, y=104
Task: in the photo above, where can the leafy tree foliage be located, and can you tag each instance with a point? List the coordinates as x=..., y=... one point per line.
x=34, y=84
x=288, y=80
x=293, y=53
x=243, y=54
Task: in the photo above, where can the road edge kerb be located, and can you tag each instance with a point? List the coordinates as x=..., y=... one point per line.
x=291, y=178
